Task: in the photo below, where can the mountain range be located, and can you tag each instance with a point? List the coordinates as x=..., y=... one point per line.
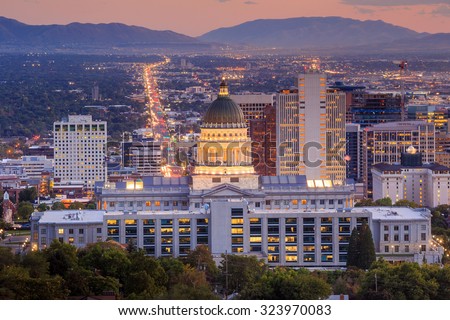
x=305, y=33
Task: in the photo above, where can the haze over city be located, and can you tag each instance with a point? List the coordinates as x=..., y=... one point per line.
x=197, y=17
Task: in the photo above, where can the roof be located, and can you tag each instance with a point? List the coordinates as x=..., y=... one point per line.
x=224, y=112
x=397, y=213
x=399, y=167
x=272, y=181
x=73, y=216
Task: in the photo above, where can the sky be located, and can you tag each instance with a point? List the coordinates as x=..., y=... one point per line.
x=196, y=17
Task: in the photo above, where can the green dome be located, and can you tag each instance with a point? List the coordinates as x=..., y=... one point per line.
x=224, y=112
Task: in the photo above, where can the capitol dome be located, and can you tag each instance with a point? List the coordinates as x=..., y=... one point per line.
x=224, y=112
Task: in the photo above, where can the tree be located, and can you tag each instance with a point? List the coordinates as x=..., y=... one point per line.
x=42, y=207
x=28, y=194
x=240, y=271
x=287, y=284
x=406, y=203
x=201, y=259
x=361, y=249
x=353, y=249
x=366, y=247
x=192, y=285
x=25, y=210
x=91, y=206
x=62, y=258
x=58, y=206
x=384, y=202
x=365, y=203
x=76, y=205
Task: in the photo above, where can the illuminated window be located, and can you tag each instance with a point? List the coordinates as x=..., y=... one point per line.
x=157, y=203
x=255, y=239
x=130, y=222
x=273, y=239
x=112, y=222
x=148, y=203
x=291, y=248
x=71, y=240
x=166, y=230
x=290, y=239
x=60, y=231
x=237, y=230
x=290, y=258
x=294, y=202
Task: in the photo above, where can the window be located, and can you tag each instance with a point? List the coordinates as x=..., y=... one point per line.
x=267, y=202
x=423, y=236
x=148, y=203
x=60, y=231
x=234, y=179
x=406, y=228
x=423, y=247
x=395, y=237
x=395, y=228
x=386, y=237
x=322, y=201
x=99, y=230
x=216, y=180
x=80, y=231
x=43, y=231
x=406, y=237
x=407, y=248
x=331, y=201
x=313, y=201
x=386, y=228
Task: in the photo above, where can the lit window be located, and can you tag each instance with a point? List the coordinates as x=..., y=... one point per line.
x=60, y=231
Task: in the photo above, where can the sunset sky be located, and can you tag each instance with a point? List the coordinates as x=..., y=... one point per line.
x=195, y=17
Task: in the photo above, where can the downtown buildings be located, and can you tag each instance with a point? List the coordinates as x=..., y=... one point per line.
x=79, y=151
x=290, y=220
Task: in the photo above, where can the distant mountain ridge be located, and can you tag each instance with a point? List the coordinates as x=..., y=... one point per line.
x=13, y=32
x=311, y=32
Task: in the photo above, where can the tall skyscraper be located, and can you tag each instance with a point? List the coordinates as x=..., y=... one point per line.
x=311, y=130
x=259, y=114
x=354, y=150
x=80, y=150
x=371, y=108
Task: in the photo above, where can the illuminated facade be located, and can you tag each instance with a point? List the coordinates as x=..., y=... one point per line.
x=311, y=130
x=79, y=151
x=385, y=142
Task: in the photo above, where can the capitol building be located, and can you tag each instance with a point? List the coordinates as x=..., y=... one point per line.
x=286, y=220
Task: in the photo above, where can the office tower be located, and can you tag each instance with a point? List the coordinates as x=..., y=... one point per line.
x=311, y=130
x=336, y=136
x=385, y=142
x=354, y=150
x=259, y=114
x=146, y=157
x=253, y=104
x=350, y=92
x=95, y=93
x=430, y=113
x=80, y=150
x=264, y=143
x=372, y=108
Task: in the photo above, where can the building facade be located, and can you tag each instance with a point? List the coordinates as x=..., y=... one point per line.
x=385, y=142
x=79, y=150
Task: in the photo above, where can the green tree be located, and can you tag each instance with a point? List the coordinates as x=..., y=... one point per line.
x=366, y=247
x=36, y=263
x=145, y=279
x=25, y=210
x=406, y=203
x=28, y=194
x=58, y=206
x=62, y=258
x=108, y=259
x=365, y=203
x=353, y=249
x=76, y=205
x=192, y=285
x=91, y=206
x=287, y=284
x=240, y=271
x=202, y=260
x=361, y=248
x=384, y=202
x=43, y=207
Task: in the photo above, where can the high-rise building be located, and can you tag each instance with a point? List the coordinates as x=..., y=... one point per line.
x=385, y=142
x=354, y=151
x=80, y=150
x=264, y=143
x=146, y=157
x=259, y=114
x=430, y=113
x=372, y=108
x=311, y=130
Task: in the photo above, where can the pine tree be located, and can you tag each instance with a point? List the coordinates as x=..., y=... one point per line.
x=353, y=249
x=366, y=248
